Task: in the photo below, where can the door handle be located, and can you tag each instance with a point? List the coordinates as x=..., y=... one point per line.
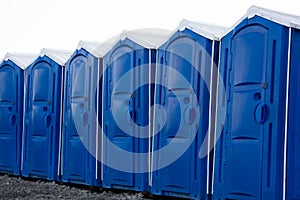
x=190, y=115
x=131, y=107
x=12, y=120
x=132, y=115
x=261, y=113
x=47, y=120
x=27, y=119
x=84, y=118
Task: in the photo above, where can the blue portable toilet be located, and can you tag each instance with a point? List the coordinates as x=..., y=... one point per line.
x=292, y=126
x=43, y=116
x=257, y=153
x=11, y=110
x=186, y=61
x=82, y=114
x=128, y=68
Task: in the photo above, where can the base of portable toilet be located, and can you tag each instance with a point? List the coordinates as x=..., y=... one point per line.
x=259, y=66
x=114, y=178
x=11, y=123
x=11, y=111
x=192, y=50
x=80, y=164
x=42, y=118
x=132, y=50
x=293, y=134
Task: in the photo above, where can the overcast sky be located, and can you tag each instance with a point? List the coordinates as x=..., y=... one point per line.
x=29, y=25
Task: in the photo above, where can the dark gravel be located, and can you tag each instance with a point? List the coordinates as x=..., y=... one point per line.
x=19, y=188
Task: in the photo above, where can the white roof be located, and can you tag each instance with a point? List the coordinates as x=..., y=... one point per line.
x=59, y=56
x=149, y=38
x=281, y=18
x=210, y=31
x=278, y=17
x=97, y=49
x=22, y=60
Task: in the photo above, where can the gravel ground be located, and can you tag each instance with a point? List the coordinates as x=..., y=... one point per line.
x=28, y=189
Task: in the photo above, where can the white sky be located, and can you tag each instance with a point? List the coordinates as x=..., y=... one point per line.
x=30, y=25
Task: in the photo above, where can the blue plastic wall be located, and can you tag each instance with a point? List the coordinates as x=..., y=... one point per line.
x=250, y=152
x=11, y=116
x=293, y=145
x=42, y=119
x=123, y=57
x=79, y=130
x=189, y=54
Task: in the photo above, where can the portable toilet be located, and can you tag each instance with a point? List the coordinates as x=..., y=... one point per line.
x=82, y=114
x=186, y=62
x=11, y=110
x=257, y=152
x=292, y=126
x=43, y=116
x=128, y=69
